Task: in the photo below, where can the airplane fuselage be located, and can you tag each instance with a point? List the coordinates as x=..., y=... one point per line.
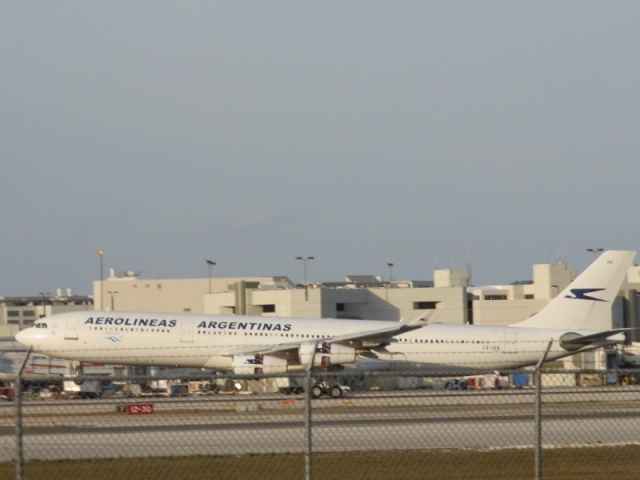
x=476, y=347
x=190, y=340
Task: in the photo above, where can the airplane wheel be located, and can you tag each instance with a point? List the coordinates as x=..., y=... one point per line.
x=316, y=392
x=336, y=392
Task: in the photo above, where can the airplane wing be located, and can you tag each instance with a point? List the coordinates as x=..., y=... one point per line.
x=377, y=336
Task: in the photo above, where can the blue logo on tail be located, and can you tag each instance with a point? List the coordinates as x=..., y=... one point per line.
x=583, y=294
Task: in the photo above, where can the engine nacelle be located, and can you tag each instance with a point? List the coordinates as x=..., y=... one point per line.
x=327, y=354
x=257, y=364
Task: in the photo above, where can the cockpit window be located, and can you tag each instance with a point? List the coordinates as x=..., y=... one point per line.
x=41, y=325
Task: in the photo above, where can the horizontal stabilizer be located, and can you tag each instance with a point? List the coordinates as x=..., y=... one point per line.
x=574, y=341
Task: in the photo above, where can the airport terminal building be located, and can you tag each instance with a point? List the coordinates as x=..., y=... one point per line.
x=449, y=295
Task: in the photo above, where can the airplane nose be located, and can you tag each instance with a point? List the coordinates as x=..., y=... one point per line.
x=24, y=338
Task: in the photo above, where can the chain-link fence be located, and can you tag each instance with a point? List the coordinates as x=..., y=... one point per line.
x=364, y=424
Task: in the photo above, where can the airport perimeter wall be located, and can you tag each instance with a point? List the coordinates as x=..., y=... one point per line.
x=408, y=424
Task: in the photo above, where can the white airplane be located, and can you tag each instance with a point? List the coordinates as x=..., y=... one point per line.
x=249, y=345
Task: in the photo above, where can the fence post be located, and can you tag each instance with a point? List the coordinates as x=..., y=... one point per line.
x=18, y=399
x=308, y=445
x=538, y=414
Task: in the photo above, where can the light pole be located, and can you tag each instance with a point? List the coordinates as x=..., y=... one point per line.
x=101, y=257
x=112, y=294
x=306, y=282
x=390, y=267
x=305, y=260
x=210, y=265
x=44, y=296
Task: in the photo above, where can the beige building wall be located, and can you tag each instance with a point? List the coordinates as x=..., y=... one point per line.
x=507, y=304
x=447, y=277
x=449, y=304
x=550, y=279
x=21, y=316
x=632, y=302
x=17, y=313
x=314, y=302
x=163, y=295
x=633, y=275
x=505, y=312
x=377, y=303
x=131, y=293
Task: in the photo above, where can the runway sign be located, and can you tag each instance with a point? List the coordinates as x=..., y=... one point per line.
x=144, y=409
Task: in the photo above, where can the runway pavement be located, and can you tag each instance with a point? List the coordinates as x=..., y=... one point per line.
x=237, y=425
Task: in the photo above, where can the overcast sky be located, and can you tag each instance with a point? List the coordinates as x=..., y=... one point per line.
x=433, y=134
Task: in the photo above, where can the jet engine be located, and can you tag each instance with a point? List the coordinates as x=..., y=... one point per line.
x=327, y=354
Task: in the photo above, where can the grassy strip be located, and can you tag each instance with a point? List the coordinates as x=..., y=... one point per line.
x=566, y=463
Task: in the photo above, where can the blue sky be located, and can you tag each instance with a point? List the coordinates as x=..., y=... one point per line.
x=431, y=134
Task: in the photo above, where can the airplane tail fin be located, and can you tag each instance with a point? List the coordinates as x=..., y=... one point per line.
x=586, y=302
